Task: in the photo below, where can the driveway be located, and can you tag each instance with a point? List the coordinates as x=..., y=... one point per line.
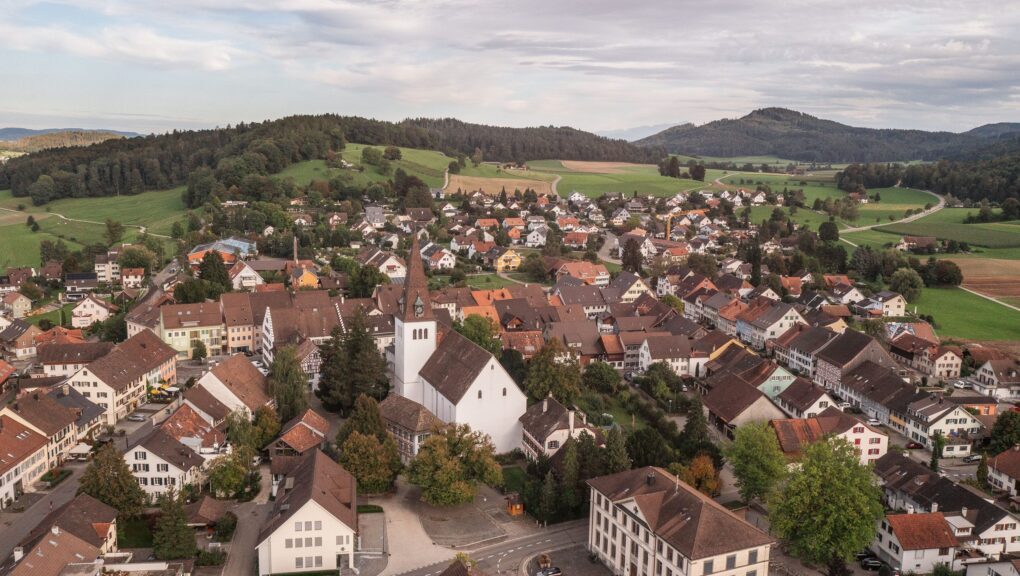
x=251, y=517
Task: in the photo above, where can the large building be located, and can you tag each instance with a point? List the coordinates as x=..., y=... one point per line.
x=646, y=522
x=184, y=326
x=455, y=379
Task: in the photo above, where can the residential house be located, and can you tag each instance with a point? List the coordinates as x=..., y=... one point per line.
x=594, y=274
x=184, y=326
x=937, y=362
x=314, y=523
x=765, y=321
x=796, y=348
x=160, y=463
x=409, y=423
x=996, y=377
x=844, y=353
x=647, y=522
x=83, y=517
x=932, y=416
x=1004, y=470
x=916, y=543
x=244, y=277
x=119, y=381
x=24, y=459
x=912, y=243
x=18, y=340
x=673, y=351
x=237, y=384
x=804, y=399
x=16, y=304
x=91, y=310
x=385, y=262
x=307, y=431
x=132, y=277
x=732, y=403
x=548, y=425
x=796, y=434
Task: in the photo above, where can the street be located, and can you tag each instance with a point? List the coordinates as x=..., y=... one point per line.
x=507, y=557
x=16, y=526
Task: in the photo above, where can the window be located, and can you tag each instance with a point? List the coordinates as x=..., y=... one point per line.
x=288, y=543
x=297, y=526
x=731, y=561
x=318, y=524
x=504, y=391
x=299, y=543
x=140, y=455
x=874, y=441
x=318, y=540
x=299, y=562
x=308, y=525
x=709, y=568
x=943, y=551
x=752, y=557
x=918, y=553
x=308, y=542
x=318, y=561
x=162, y=467
x=479, y=394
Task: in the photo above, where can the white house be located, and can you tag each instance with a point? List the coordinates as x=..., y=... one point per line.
x=933, y=415
x=915, y=543
x=647, y=522
x=547, y=425
x=161, y=463
x=314, y=525
x=244, y=277
x=91, y=310
x=237, y=384
x=24, y=460
x=674, y=351
x=456, y=380
x=1004, y=470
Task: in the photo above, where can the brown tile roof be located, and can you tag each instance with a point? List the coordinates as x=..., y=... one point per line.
x=795, y=434
x=408, y=414
x=53, y=553
x=802, y=393
x=17, y=442
x=543, y=418
x=237, y=309
x=669, y=347
x=459, y=568
x=71, y=353
x=845, y=347
x=454, y=366
x=243, y=379
x=207, y=403
x=730, y=397
x=43, y=412
x=922, y=531
x=84, y=516
x=317, y=478
x=185, y=422
x=205, y=511
x=527, y=343
x=691, y=522
x=1007, y=462
x=305, y=432
x=162, y=444
x=132, y=359
x=190, y=315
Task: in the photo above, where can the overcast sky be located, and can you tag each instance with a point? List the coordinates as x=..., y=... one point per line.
x=149, y=65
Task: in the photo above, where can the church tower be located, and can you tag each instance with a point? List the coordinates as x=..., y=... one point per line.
x=415, y=327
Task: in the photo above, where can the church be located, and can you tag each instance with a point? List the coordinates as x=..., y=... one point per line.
x=451, y=376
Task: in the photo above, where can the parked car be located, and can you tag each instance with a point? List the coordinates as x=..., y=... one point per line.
x=843, y=405
x=550, y=572
x=972, y=458
x=871, y=564
x=961, y=384
x=137, y=418
x=874, y=422
x=863, y=554
x=914, y=445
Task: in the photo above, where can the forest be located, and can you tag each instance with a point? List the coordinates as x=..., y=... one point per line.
x=133, y=165
x=994, y=180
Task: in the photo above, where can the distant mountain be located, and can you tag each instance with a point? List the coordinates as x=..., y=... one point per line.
x=60, y=139
x=798, y=136
x=9, y=134
x=636, y=132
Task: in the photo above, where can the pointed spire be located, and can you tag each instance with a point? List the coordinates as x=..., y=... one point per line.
x=415, y=303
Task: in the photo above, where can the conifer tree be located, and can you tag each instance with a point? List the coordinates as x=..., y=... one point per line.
x=287, y=384
x=173, y=539
x=617, y=459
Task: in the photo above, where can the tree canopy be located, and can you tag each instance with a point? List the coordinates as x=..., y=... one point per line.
x=109, y=480
x=548, y=374
x=451, y=462
x=288, y=384
x=757, y=460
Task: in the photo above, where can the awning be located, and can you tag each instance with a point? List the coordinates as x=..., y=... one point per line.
x=173, y=389
x=81, y=449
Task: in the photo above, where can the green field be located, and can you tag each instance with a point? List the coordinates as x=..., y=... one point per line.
x=643, y=179
x=488, y=282
x=493, y=171
x=156, y=210
x=19, y=246
x=814, y=188
x=960, y=314
x=425, y=164
x=873, y=238
x=804, y=217
x=947, y=224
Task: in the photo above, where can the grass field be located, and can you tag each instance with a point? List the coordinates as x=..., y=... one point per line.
x=804, y=217
x=425, y=164
x=494, y=171
x=595, y=179
x=488, y=282
x=19, y=246
x=814, y=188
x=493, y=186
x=960, y=314
x=950, y=226
x=873, y=238
x=156, y=210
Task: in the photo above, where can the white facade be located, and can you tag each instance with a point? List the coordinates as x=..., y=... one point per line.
x=413, y=344
x=493, y=405
x=157, y=476
x=246, y=278
x=88, y=312
x=922, y=561
x=311, y=540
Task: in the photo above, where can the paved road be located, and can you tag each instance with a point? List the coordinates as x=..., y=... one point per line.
x=14, y=527
x=251, y=517
x=507, y=557
x=606, y=252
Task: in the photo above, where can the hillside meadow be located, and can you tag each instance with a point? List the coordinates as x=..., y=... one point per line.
x=961, y=315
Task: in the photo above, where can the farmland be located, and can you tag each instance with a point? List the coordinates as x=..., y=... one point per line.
x=595, y=179
x=156, y=210
x=493, y=186
x=961, y=315
x=993, y=277
x=425, y=164
x=947, y=224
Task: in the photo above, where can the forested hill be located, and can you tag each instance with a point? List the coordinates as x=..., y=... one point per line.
x=60, y=139
x=130, y=166
x=797, y=136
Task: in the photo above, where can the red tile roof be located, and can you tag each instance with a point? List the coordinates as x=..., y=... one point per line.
x=922, y=531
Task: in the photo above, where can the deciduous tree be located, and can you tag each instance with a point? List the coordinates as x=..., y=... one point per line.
x=287, y=384
x=451, y=462
x=172, y=538
x=109, y=480
x=646, y=447
x=547, y=374
x=601, y=377
x=373, y=463
x=1005, y=432
x=481, y=330
x=757, y=460
x=907, y=282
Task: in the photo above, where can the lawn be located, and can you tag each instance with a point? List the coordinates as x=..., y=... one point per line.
x=873, y=238
x=53, y=316
x=804, y=217
x=948, y=224
x=494, y=171
x=488, y=282
x=156, y=210
x=960, y=314
x=134, y=533
x=19, y=246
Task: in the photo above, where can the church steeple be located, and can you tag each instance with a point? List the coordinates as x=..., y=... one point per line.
x=415, y=304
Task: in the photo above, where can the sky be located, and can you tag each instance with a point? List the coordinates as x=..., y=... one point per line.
x=153, y=66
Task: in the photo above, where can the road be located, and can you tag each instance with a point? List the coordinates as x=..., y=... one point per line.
x=14, y=527
x=251, y=518
x=507, y=557
x=940, y=205
x=606, y=251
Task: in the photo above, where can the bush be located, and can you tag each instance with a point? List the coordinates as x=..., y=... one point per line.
x=225, y=527
x=214, y=557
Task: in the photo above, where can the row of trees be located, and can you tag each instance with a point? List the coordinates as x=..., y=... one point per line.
x=995, y=179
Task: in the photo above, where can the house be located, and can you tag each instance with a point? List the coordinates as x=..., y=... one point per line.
x=85, y=518
x=385, y=262
x=183, y=326
x=244, y=277
x=303, y=277
x=892, y=304
x=504, y=259
x=91, y=310
x=627, y=287
x=455, y=379
x=196, y=431
x=548, y=425
x=1004, y=470
x=766, y=320
x=938, y=362
x=132, y=277
x=648, y=518
x=59, y=554
x=230, y=250
x=844, y=353
x=933, y=416
x=45, y=415
x=732, y=403
x=160, y=463
x=797, y=434
x=409, y=423
x=916, y=543
x=796, y=348
x=375, y=216
x=314, y=523
x=804, y=399
x=118, y=382
x=237, y=384
x=673, y=351
x=16, y=304
x=307, y=431
x=536, y=238
x=78, y=284
x=996, y=377
x=587, y=272
x=18, y=340
x=24, y=459
x=912, y=243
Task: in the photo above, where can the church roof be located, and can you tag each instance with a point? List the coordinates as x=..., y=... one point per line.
x=454, y=366
x=416, y=288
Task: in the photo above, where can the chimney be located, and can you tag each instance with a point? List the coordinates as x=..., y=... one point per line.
x=570, y=423
x=19, y=553
x=650, y=479
x=934, y=507
x=295, y=250
x=963, y=511
x=545, y=405
x=55, y=529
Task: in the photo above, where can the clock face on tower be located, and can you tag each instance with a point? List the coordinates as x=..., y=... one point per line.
x=419, y=308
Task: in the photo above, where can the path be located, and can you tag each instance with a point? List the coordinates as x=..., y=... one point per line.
x=987, y=297
x=140, y=228
x=416, y=548
x=251, y=518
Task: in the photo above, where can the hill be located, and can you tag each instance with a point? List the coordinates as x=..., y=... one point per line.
x=133, y=165
x=798, y=136
x=60, y=139
x=11, y=134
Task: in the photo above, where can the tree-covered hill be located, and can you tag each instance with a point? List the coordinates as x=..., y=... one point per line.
x=132, y=165
x=798, y=136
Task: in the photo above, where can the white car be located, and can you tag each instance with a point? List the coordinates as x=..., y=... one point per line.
x=874, y=422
